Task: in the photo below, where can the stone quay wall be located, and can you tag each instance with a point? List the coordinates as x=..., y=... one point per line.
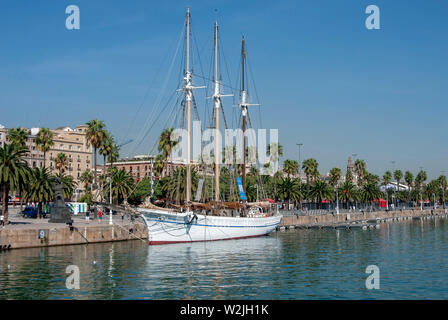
x=332, y=219
x=45, y=236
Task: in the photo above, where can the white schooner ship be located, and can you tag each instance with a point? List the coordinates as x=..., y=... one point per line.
x=215, y=220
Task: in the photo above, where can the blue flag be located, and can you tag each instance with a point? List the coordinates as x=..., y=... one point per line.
x=241, y=189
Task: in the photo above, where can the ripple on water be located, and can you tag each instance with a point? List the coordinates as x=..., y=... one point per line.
x=296, y=264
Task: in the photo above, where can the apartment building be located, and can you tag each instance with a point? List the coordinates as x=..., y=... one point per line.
x=72, y=142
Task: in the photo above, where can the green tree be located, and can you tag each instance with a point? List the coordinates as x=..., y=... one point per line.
x=275, y=151
x=443, y=186
x=370, y=192
x=40, y=188
x=18, y=136
x=167, y=145
x=347, y=192
x=106, y=148
x=409, y=178
x=310, y=168
x=320, y=190
x=361, y=170
x=87, y=179
x=398, y=175
x=174, y=187
x=95, y=135
x=122, y=185
x=335, y=176
x=290, y=189
x=14, y=173
x=290, y=167
x=61, y=162
x=44, y=141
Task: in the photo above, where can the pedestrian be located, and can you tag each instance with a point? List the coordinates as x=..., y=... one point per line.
x=2, y=222
x=100, y=215
x=122, y=216
x=87, y=215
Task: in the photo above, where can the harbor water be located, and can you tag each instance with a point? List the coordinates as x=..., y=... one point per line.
x=411, y=256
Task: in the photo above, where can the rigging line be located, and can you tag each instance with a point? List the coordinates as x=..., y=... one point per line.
x=136, y=185
x=255, y=89
x=211, y=80
x=155, y=120
x=151, y=85
x=165, y=125
x=158, y=101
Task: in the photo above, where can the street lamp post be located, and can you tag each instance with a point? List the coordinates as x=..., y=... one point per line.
x=300, y=160
x=337, y=201
x=435, y=207
x=110, y=200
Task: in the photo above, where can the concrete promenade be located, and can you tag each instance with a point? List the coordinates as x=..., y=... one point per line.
x=28, y=233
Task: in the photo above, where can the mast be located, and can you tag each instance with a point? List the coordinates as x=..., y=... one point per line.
x=217, y=100
x=217, y=105
x=188, y=97
x=244, y=105
x=243, y=108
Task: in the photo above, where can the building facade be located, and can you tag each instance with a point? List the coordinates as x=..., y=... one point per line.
x=72, y=142
x=139, y=167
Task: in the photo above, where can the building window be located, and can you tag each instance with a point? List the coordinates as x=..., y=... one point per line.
x=79, y=167
x=51, y=156
x=61, y=146
x=79, y=175
x=34, y=164
x=70, y=147
x=79, y=158
x=79, y=148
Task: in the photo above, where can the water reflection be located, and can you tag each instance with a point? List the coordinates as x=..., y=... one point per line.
x=299, y=264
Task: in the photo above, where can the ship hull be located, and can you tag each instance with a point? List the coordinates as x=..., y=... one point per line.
x=172, y=227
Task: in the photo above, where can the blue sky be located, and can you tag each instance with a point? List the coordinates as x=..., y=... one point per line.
x=322, y=78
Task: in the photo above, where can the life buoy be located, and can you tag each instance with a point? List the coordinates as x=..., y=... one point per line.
x=266, y=215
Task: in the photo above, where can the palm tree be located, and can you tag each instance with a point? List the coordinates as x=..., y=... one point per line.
x=275, y=151
x=290, y=167
x=349, y=176
x=361, y=170
x=347, y=192
x=290, y=189
x=87, y=179
x=320, y=190
x=122, y=185
x=95, y=135
x=409, y=178
x=166, y=145
x=335, y=176
x=14, y=173
x=398, y=175
x=174, y=187
x=18, y=136
x=310, y=168
x=370, y=192
x=106, y=148
x=387, y=177
x=44, y=141
x=159, y=165
x=61, y=162
x=40, y=188
x=443, y=185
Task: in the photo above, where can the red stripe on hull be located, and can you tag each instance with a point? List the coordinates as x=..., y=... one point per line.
x=156, y=243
